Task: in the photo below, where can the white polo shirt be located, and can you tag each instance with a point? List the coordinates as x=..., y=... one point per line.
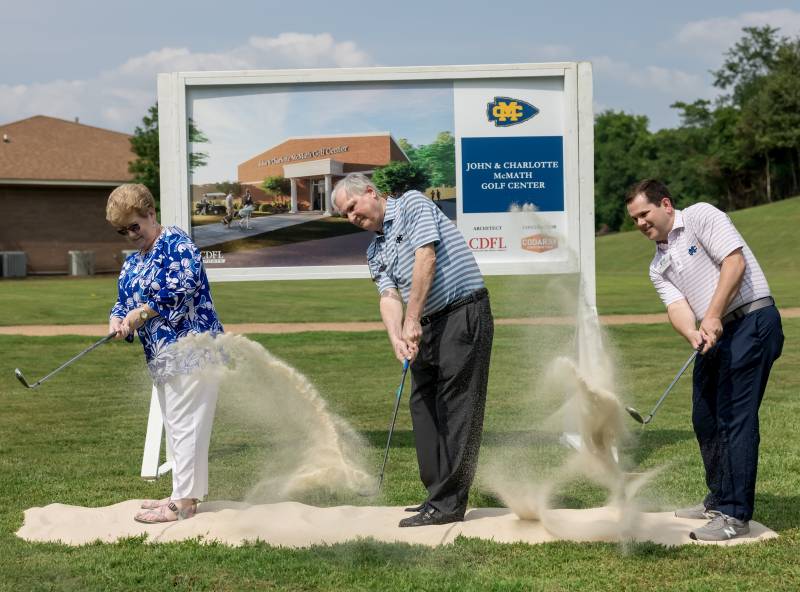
x=687, y=265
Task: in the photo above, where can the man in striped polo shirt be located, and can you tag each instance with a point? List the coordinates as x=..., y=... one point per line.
x=419, y=258
x=704, y=272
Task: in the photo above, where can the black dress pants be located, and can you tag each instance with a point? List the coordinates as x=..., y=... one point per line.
x=448, y=399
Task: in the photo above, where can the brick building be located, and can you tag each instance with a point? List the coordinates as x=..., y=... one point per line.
x=314, y=164
x=55, y=177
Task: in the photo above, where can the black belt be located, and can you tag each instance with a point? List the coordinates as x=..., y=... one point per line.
x=478, y=294
x=745, y=309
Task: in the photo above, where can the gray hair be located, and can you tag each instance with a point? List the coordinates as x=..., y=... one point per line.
x=352, y=184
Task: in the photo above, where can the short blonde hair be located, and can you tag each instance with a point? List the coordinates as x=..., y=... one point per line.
x=127, y=199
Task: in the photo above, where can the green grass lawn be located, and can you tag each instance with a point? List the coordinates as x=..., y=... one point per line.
x=622, y=284
x=78, y=440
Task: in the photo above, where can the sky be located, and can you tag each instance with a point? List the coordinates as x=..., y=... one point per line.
x=241, y=123
x=98, y=61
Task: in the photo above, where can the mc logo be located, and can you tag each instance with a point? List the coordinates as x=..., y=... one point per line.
x=505, y=111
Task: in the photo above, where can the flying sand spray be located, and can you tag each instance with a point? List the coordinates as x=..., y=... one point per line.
x=311, y=447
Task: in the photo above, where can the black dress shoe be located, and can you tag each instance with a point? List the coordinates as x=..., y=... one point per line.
x=430, y=516
x=418, y=508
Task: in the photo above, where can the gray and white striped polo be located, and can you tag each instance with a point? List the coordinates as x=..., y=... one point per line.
x=688, y=264
x=412, y=221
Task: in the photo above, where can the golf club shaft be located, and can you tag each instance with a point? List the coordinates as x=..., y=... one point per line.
x=671, y=384
x=70, y=361
x=398, y=395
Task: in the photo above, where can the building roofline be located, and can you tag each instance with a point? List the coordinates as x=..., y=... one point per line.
x=63, y=183
x=62, y=120
x=328, y=136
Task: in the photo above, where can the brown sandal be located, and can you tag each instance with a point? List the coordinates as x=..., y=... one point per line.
x=159, y=515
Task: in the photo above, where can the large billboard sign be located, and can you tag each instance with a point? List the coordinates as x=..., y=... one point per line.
x=249, y=158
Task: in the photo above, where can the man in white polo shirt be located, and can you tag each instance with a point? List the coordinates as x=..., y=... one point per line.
x=704, y=272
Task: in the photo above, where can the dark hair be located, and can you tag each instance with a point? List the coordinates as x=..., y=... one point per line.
x=653, y=190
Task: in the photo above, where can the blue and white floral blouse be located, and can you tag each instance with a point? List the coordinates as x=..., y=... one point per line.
x=170, y=279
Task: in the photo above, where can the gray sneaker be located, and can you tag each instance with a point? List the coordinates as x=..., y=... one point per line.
x=698, y=512
x=720, y=528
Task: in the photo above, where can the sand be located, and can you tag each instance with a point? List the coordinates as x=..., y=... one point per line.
x=295, y=525
x=310, y=447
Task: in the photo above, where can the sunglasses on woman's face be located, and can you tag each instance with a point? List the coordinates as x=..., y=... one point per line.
x=132, y=228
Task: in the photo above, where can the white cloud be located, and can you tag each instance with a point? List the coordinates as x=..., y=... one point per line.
x=645, y=90
x=657, y=78
x=711, y=38
x=118, y=98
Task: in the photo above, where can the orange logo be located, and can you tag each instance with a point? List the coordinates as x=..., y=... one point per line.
x=539, y=243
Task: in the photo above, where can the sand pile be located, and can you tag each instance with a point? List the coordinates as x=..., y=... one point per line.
x=291, y=524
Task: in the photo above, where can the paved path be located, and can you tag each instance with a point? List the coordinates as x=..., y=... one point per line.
x=100, y=330
x=212, y=234
x=347, y=249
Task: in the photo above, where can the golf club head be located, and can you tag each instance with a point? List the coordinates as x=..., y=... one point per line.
x=636, y=415
x=372, y=490
x=21, y=378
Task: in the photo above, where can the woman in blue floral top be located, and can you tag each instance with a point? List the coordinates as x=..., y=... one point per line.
x=163, y=295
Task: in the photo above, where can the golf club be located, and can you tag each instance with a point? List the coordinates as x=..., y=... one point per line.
x=21, y=378
x=645, y=420
x=398, y=395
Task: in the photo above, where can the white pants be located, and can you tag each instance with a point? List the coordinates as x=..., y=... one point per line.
x=187, y=406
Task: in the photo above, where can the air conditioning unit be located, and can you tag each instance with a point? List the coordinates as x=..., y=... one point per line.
x=13, y=264
x=81, y=262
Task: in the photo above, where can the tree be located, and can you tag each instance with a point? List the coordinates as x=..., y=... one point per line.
x=232, y=187
x=276, y=185
x=751, y=58
x=144, y=143
x=407, y=147
x=770, y=120
x=399, y=177
x=439, y=160
x=621, y=149
x=737, y=151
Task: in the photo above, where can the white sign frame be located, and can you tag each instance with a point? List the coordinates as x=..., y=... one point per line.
x=578, y=156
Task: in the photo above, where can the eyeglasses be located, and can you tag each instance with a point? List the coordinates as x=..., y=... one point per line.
x=127, y=229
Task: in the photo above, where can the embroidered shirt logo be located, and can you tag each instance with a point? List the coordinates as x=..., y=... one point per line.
x=505, y=111
x=692, y=250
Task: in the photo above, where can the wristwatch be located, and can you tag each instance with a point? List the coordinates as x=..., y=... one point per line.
x=143, y=315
